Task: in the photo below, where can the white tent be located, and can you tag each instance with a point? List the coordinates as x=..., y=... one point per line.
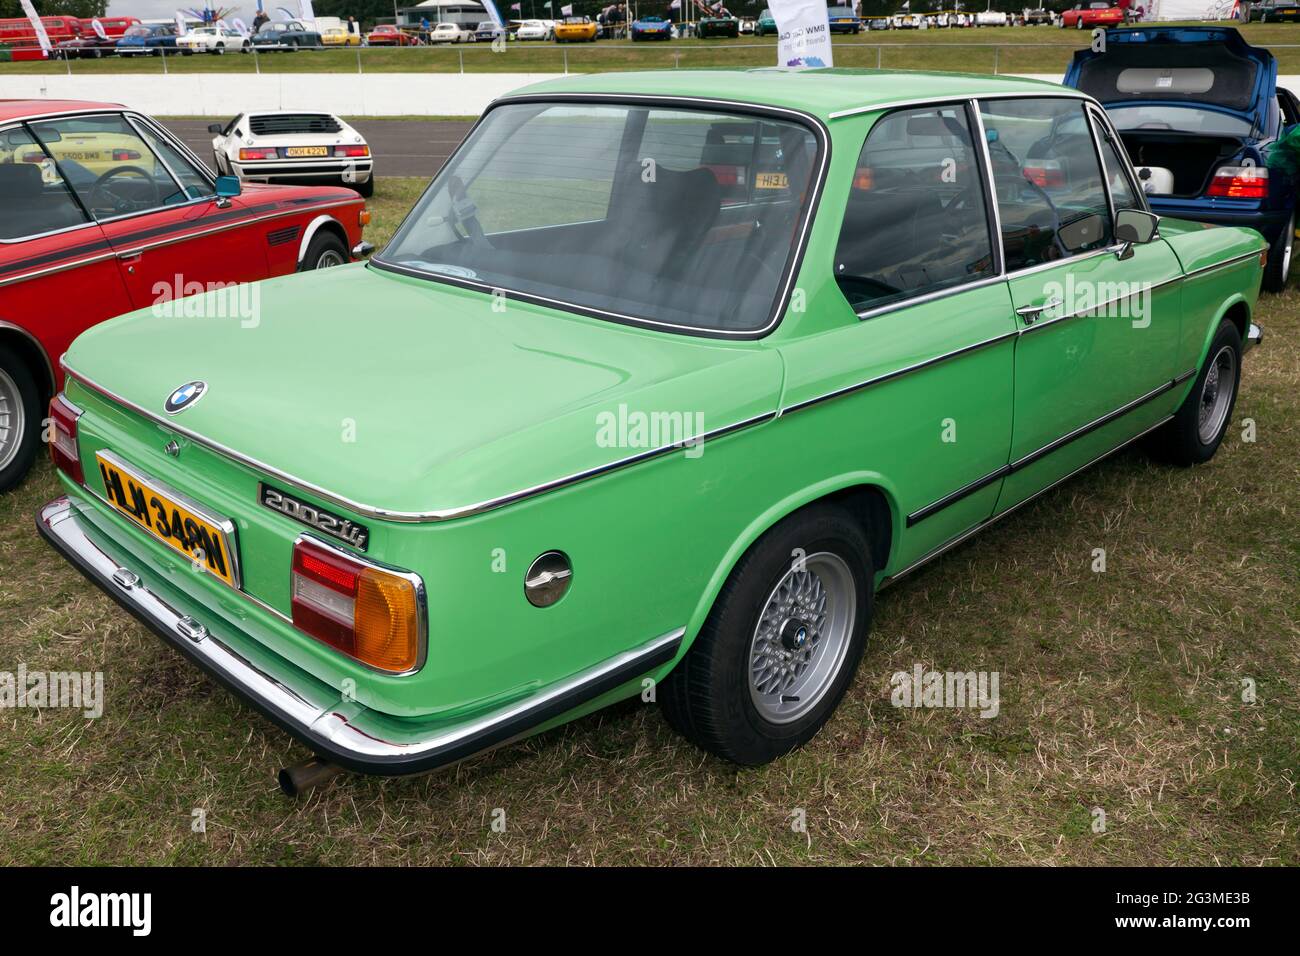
x=1192, y=9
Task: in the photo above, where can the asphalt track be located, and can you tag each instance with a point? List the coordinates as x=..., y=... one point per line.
x=400, y=147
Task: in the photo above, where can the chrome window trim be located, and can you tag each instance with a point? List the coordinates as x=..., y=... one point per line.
x=407, y=517
x=994, y=95
x=798, y=247
x=1046, y=323
x=141, y=128
x=975, y=127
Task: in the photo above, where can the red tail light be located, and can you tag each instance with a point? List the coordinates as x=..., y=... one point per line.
x=122, y=155
x=257, y=154
x=1047, y=174
x=352, y=151
x=36, y=157
x=370, y=613
x=64, y=450
x=1239, y=182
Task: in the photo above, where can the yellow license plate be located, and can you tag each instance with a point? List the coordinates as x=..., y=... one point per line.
x=295, y=152
x=772, y=181
x=206, y=539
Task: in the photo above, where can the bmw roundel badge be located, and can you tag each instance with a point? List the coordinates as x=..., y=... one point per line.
x=184, y=397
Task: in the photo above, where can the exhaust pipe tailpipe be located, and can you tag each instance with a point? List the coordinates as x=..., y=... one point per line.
x=298, y=779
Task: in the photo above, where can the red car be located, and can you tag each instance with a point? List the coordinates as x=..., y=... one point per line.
x=388, y=35
x=1082, y=16
x=102, y=212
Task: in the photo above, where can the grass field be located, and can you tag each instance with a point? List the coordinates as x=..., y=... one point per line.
x=1120, y=691
x=986, y=50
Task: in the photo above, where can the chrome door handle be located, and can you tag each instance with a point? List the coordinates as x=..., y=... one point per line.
x=1030, y=314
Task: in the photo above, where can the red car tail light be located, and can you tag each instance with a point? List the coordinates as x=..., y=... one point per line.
x=64, y=449
x=257, y=154
x=351, y=150
x=122, y=155
x=372, y=614
x=1046, y=173
x=1239, y=182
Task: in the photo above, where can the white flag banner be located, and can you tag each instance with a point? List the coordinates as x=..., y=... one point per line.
x=99, y=29
x=240, y=27
x=306, y=13
x=803, y=32
x=567, y=10
x=495, y=14
x=180, y=24
x=42, y=37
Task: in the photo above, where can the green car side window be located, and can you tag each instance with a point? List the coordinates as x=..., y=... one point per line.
x=1051, y=200
x=916, y=218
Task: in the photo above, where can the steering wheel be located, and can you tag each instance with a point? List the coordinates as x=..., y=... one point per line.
x=122, y=203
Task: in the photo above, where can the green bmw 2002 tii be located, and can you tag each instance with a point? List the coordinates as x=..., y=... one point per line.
x=661, y=379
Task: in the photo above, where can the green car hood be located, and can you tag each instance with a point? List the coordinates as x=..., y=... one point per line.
x=416, y=396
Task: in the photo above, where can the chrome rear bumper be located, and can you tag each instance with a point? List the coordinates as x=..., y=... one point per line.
x=335, y=727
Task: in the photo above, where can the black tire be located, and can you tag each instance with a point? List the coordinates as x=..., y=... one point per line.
x=1179, y=442
x=707, y=697
x=366, y=189
x=20, y=419
x=1278, y=269
x=324, y=250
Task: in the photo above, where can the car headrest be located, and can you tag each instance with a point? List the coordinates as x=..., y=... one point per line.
x=19, y=181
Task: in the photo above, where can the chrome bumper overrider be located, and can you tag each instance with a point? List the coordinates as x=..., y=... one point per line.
x=335, y=727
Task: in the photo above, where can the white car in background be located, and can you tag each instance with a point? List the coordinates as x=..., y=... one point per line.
x=293, y=146
x=990, y=18
x=451, y=33
x=533, y=30
x=216, y=40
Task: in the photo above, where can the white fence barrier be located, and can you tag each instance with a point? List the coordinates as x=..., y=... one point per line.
x=349, y=94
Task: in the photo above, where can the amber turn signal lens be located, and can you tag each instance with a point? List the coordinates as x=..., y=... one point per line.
x=363, y=217
x=387, y=622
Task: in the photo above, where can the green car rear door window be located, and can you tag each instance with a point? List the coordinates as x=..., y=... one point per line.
x=916, y=218
x=1051, y=200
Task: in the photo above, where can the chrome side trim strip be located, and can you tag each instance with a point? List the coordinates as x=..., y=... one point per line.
x=1092, y=309
x=384, y=514
x=1026, y=460
x=896, y=373
x=60, y=267
x=334, y=726
x=240, y=224
x=993, y=519
x=1225, y=263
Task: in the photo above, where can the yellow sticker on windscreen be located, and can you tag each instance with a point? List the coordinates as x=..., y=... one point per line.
x=771, y=181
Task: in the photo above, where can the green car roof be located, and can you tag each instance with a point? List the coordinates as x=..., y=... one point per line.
x=820, y=92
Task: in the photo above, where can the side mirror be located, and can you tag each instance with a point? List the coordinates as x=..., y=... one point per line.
x=214, y=128
x=227, y=187
x=1136, y=225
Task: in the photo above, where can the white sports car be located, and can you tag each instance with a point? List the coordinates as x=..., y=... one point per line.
x=533, y=30
x=214, y=40
x=293, y=145
x=446, y=32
